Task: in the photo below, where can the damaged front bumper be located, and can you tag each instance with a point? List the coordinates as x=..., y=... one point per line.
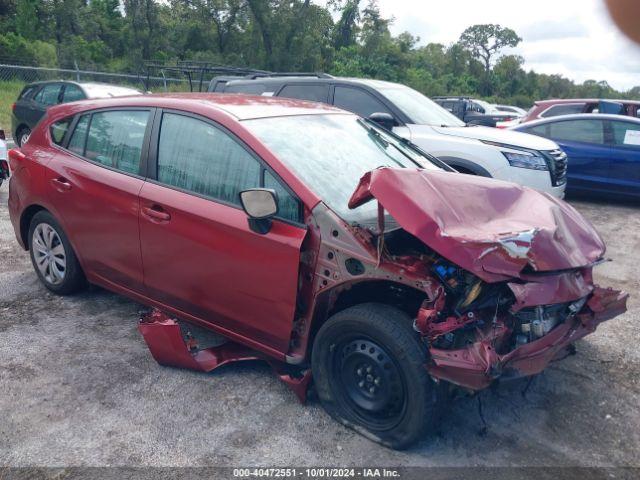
x=476, y=366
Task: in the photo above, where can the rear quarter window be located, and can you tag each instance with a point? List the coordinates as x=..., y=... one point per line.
x=59, y=129
x=27, y=92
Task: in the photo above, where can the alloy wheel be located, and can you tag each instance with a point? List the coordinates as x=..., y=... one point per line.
x=49, y=253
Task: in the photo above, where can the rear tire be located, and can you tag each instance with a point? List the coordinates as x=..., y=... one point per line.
x=22, y=136
x=52, y=256
x=369, y=370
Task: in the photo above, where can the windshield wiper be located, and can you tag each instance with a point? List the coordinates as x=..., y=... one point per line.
x=382, y=143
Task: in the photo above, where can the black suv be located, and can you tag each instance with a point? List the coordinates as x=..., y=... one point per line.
x=472, y=111
x=36, y=97
x=361, y=96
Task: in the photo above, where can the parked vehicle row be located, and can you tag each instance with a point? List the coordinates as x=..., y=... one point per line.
x=476, y=112
x=570, y=106
x=477, y=150
x=313, y=236
x=603, y=151
x=37, y=97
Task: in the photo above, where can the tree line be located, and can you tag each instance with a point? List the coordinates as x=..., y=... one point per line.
x=341, y=37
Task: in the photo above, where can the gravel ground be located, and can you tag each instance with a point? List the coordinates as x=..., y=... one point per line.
x=78, y=387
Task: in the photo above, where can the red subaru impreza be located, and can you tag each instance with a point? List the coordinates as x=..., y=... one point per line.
x=315, y=239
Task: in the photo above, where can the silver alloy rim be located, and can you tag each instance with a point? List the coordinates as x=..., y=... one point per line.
x=24, y=138
x=49, y=254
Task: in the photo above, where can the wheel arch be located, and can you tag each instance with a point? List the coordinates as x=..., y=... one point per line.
x=19, y=129
x=466, y=166
x=25, y=222
x=396, y=294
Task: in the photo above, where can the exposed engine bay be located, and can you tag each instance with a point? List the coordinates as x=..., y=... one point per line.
x=476, y=330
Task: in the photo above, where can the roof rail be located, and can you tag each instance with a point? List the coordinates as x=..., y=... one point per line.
x=193, y=69
x=452, y=97
x=290, y=74
x=196, y=70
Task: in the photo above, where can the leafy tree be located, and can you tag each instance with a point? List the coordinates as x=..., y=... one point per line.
x=485, y=41
x=282, y=35
x=509, y=76
x=347, y=27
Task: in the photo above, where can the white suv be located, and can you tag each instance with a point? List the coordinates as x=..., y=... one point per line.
x=521, y=158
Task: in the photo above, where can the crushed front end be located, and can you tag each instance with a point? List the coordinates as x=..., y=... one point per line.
x=477, y=332
x=509, y=271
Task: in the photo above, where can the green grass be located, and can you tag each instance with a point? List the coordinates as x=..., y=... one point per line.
x=8, y=94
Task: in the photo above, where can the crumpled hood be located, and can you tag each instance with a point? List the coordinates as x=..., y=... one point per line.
x=489, y=227
x=497, y=135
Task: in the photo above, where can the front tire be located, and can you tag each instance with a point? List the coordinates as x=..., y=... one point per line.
x=369, y=370
x=52, y=256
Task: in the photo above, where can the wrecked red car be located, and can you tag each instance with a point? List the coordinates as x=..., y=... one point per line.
x=310, y=238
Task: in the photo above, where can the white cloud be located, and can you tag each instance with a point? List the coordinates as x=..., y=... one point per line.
x=575, y=38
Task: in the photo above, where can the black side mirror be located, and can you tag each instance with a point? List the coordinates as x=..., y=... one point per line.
x=260, y=205
x=385, y=120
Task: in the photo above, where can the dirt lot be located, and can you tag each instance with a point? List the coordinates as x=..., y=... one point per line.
x=78, y=387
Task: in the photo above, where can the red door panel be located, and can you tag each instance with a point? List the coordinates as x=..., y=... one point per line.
x=201, y=257
x=99, y=209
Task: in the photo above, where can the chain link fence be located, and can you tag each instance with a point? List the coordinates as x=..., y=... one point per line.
x=182, y=76
x=160, y=82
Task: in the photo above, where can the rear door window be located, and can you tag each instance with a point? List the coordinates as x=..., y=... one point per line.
x=49, y=94
x=358, y=101
x=314, y=93
x=563, y=109
x=115, y=139
x=586, y=131
x=79, y=136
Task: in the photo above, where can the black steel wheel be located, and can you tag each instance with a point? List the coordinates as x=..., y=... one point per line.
x=372, y=381
x=369, y=370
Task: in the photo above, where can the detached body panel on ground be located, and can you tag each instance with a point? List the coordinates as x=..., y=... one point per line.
x=376, y=265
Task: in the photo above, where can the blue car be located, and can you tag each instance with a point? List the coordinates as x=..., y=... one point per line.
x=603, y=151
